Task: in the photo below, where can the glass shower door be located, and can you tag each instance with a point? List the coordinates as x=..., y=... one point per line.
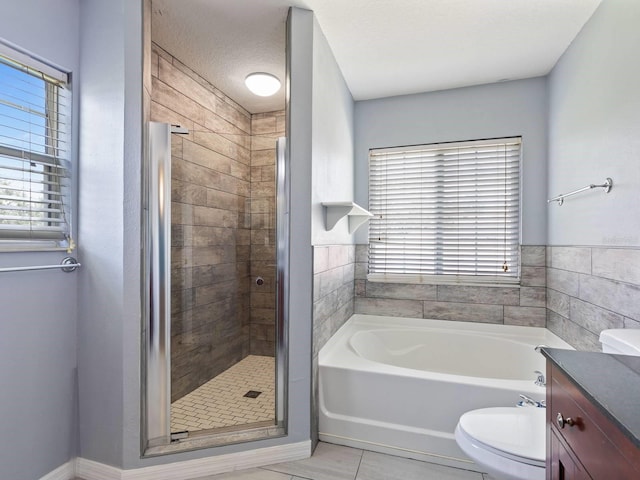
x=218, y=276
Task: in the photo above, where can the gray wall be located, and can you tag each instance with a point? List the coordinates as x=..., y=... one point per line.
x=333, y=141
x=38, y=316
x=594, y=125
x=332, y=181
x=101, y=296
x=299, y=120
x=487, y=111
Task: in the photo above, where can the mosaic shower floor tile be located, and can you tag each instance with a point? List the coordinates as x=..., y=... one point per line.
x=241, y=395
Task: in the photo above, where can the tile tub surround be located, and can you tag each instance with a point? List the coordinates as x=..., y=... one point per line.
x=590, y=289
x=524, y=305
x=333, y=294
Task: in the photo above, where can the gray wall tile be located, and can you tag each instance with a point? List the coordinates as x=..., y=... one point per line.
x=615, y=296
x=574, y=259
x=526, y=316
x=465, y=312
x=563, y=281
x=475, y=294
x=533, y=276
x=533, y=255
x=362, y=253
x=594, y=318
x=320, y=259
x=622, y=264
x=580, y=338
x=361, y=270
x=401, y=291
x=533, y=296
x=386, y=306
x=558, y=302
x=556, y=323
x=631, y=323
x=338, y=255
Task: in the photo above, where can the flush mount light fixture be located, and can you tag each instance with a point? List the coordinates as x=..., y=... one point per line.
x=262, y=84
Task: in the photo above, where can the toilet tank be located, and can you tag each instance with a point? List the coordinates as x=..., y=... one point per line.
x=623, y=341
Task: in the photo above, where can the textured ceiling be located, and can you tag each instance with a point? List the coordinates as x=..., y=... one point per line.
x=383, y=47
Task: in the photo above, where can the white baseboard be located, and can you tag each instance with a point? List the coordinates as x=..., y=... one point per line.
x=189, y=469
x=90, y=470
x=66, y=471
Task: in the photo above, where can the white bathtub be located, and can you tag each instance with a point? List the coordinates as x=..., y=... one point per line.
x=399, y=385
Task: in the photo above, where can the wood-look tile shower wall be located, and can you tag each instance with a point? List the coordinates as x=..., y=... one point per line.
x=212, y=245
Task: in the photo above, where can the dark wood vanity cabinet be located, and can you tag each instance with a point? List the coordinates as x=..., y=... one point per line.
x=582, y=443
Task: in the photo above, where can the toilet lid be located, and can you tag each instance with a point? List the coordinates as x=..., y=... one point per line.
x=515, y=431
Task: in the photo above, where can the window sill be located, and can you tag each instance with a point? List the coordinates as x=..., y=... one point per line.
x=26, y=248
x=430, y=280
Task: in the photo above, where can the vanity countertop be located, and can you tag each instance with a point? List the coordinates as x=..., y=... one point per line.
x=611, y=382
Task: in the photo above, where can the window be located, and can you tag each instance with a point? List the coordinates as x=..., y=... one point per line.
x=34, y=154
x=445, y=212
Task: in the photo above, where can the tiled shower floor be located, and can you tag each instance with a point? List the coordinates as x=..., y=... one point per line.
x=220, y=402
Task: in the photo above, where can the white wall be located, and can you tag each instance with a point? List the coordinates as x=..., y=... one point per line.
x=487, y=111
x=333, y=141
x=38, y=401
x=594, y=131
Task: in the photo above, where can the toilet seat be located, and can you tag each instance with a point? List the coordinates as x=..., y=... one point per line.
x=507, y=441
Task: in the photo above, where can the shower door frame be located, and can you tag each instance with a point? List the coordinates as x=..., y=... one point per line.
x=156, y=438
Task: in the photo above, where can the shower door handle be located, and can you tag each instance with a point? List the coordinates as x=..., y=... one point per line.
x=157, y=231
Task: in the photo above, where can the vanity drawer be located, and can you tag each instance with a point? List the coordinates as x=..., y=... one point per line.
x=605, y=452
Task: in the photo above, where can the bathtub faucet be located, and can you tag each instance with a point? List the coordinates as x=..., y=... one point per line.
x=540, y=381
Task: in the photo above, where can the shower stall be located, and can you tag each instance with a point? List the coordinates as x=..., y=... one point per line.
x=216, y=263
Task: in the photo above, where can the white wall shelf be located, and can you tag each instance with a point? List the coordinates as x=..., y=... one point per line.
x=334, y=211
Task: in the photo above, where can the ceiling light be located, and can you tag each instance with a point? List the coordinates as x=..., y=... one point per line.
x=262, y=84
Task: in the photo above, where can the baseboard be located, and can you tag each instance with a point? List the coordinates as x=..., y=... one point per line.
x=189, y=469
x=66, y=471
x=90, y=470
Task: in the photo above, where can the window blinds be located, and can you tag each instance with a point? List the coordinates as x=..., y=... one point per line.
x=449, y=210
x=34, y=153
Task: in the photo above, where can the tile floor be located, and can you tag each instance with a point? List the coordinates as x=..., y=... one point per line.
x=335, y=462
x=220, y=403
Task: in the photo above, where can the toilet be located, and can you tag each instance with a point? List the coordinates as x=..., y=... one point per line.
x=509, y=442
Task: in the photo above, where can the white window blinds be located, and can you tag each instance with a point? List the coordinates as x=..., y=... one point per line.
x=448, y=210
x=34, y=152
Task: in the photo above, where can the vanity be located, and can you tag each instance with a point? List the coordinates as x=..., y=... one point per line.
x=593, y=416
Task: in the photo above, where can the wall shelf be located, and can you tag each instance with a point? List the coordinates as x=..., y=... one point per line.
x=334, y=211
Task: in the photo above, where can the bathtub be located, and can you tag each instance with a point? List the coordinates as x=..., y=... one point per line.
x=399, y=385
